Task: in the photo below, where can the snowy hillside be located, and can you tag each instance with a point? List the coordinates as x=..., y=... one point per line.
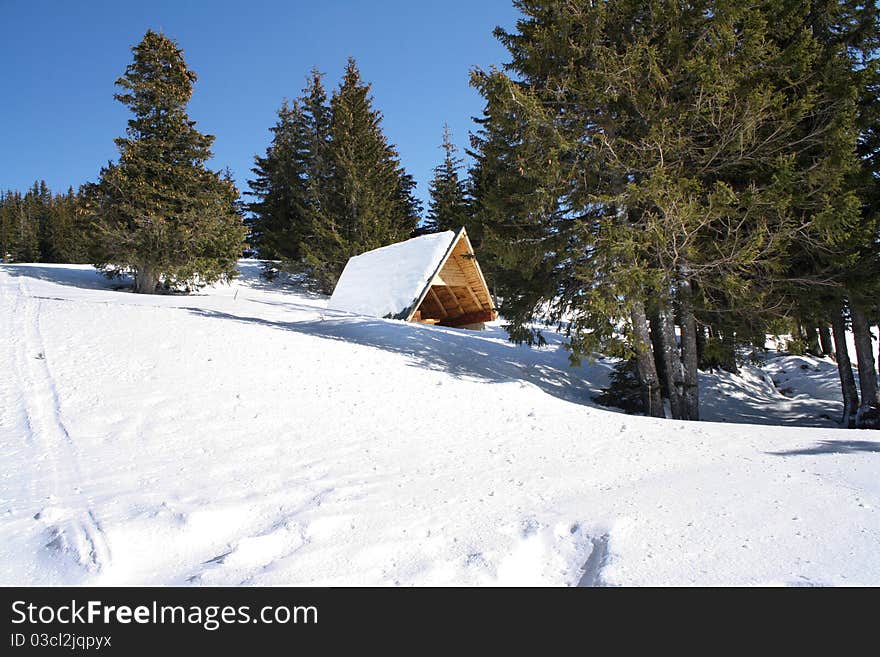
x=246, y=435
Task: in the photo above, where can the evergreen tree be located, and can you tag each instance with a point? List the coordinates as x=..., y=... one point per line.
x=833, y=268
x=159, y=212
x=8, y=213
x=67, y=235
x=29, y=220
x=858, y=33
x=367, y=201
x=22, y=218
x=279, y=187
x=624, y=389
x=448, y=208
x=317, y=155
x=43, y=227
x=653, y=151
x=294, y=178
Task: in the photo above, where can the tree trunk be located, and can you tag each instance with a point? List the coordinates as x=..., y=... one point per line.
x=146, y=278
x=689, y=351
x=672, y=364
x=645, y=358
x=868, y=416
x=825, y=341
x=813, y=347
x=844, y=371
x=701, y=345
x=653, y=311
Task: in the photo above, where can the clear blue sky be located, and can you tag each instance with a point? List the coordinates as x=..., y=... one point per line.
x=59, y=60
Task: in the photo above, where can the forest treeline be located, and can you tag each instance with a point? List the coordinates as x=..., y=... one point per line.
x=40, y=226
x=668, y=182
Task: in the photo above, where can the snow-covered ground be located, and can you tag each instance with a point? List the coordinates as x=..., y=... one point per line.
x=246, y=435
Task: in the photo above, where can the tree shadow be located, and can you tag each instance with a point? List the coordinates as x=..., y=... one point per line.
x=834, y=447
x=744, y=399
x=477, y=355
x=87, y=278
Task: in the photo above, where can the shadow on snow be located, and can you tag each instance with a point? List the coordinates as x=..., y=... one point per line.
x=467, y=354
x=85, y=278
x=833, y=447
x=488, y=356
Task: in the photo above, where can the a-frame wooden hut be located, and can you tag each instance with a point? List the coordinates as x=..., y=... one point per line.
x=432, y=279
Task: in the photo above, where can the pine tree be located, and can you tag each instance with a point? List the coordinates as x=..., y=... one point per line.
x=279, y=187
x=19, y=233
x=653, y=151
x=833, y=267
x=858, y=32
x=7, y=225
x=448, y=208
x=40, y=200
x=159, y=212
x=293, y=180
x=32, y=211
x=317, y=154
x=367, y=201
x=69, y=234
x=40, y=226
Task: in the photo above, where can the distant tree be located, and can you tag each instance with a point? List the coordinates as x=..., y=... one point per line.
x=67, y=235
x=293, y=178
x=40, y=226
x=23, y=221
x=159, y=212
x=23, y=218
x=279, y=189
x=9, y=213
x=33, y=217
x=448, y=208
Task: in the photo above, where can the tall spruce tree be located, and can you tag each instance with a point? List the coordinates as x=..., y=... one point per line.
x=11, y=213
x=833, y=268
x=292, y=180
x=278, y=214
x=317, y=154
x=448, y=208
x=5, y=226
x=651, y=151
x=31, y=222
x=67, y=233
x=159, y=212
x=368, y=198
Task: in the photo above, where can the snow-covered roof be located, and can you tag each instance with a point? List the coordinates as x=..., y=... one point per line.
x=389, y=281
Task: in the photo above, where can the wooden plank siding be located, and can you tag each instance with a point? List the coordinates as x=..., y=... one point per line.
x=457, y=294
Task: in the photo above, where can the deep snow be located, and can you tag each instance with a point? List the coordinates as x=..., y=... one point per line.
x=248, y=435
x=386, y=282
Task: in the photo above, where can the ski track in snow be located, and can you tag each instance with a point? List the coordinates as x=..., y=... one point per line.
x=245, y=435
x=71, y=526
